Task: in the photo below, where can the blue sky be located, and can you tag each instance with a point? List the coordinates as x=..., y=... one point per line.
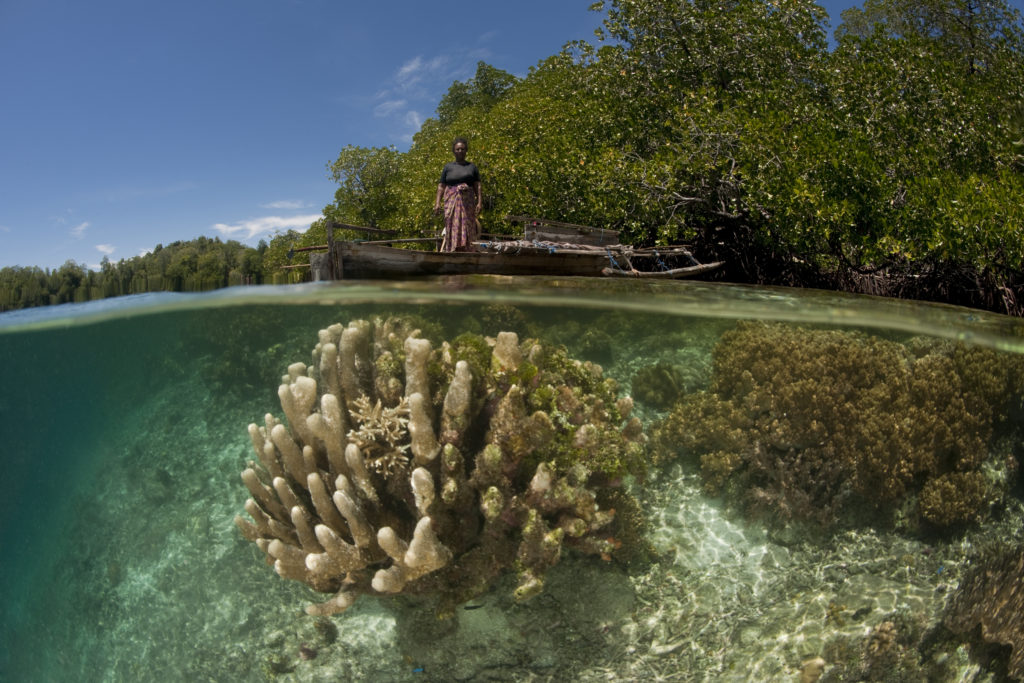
x=128, y=123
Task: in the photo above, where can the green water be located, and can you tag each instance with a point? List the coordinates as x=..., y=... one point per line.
x=123, y=429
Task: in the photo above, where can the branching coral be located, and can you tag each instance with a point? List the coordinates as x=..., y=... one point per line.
x=954, y=498
x=407, y=467
x=814, y=424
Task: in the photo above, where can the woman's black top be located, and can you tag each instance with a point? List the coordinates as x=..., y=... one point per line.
x=455, y=173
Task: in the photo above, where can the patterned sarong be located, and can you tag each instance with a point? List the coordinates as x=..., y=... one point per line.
x=459, y=217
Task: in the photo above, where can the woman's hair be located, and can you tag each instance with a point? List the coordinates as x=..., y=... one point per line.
x=458, y=140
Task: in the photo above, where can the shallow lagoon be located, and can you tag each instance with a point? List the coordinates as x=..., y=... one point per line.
x=124, y=431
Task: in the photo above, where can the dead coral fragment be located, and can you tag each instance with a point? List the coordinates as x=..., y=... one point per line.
x=411, y=468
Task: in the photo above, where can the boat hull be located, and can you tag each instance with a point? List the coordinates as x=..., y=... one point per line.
x=374, y=261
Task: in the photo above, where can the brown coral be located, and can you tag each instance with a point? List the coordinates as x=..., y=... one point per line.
x=659, y=385
x=954, y=498
x=881, y=648
x=415, y=468
x=815, y=424
x=991, y=596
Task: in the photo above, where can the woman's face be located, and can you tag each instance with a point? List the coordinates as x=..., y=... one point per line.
x=460, y=150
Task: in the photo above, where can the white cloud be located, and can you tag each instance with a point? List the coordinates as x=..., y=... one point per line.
x=265, y=225
x=419, y=83
x=106, y=249
x=79, y=230
x=286, y=204
x=4, y=228
x=416, y=69
x=409, y=68
x=387, y=108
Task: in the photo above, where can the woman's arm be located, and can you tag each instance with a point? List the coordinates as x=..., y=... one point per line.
x=437, y=199
x=479, y=197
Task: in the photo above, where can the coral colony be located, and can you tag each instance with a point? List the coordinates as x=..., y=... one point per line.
x=415, y=468
x=991, y=597
x=824, y=426
x=408, y=467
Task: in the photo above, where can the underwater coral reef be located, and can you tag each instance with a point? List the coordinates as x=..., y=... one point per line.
x=830, y=426
x=410, y=466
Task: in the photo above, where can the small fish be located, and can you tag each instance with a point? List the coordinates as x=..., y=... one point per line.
x=473, y=606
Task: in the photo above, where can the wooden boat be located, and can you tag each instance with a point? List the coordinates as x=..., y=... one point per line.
x=577, y=253
x=370, y=260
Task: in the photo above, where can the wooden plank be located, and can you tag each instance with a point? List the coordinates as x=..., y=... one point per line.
x=545, y=230
x=331, y=265
x=555, y=234
x=319, y=268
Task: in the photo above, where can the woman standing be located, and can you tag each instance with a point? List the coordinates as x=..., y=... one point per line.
x=459, y=189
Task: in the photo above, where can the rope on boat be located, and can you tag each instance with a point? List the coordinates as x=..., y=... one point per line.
x=544, y=245
x=613, y=262
x=659, y=261
x=514, y=246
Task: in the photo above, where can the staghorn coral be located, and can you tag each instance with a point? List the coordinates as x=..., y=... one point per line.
x=407, y=467
x=991, y=596
x=818, y=425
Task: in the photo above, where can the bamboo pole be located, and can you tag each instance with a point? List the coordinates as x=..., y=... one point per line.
x=403, y=240
x=675, y=272
x=361, y=228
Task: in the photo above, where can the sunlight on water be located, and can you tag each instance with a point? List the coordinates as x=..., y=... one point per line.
x=124, y=433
